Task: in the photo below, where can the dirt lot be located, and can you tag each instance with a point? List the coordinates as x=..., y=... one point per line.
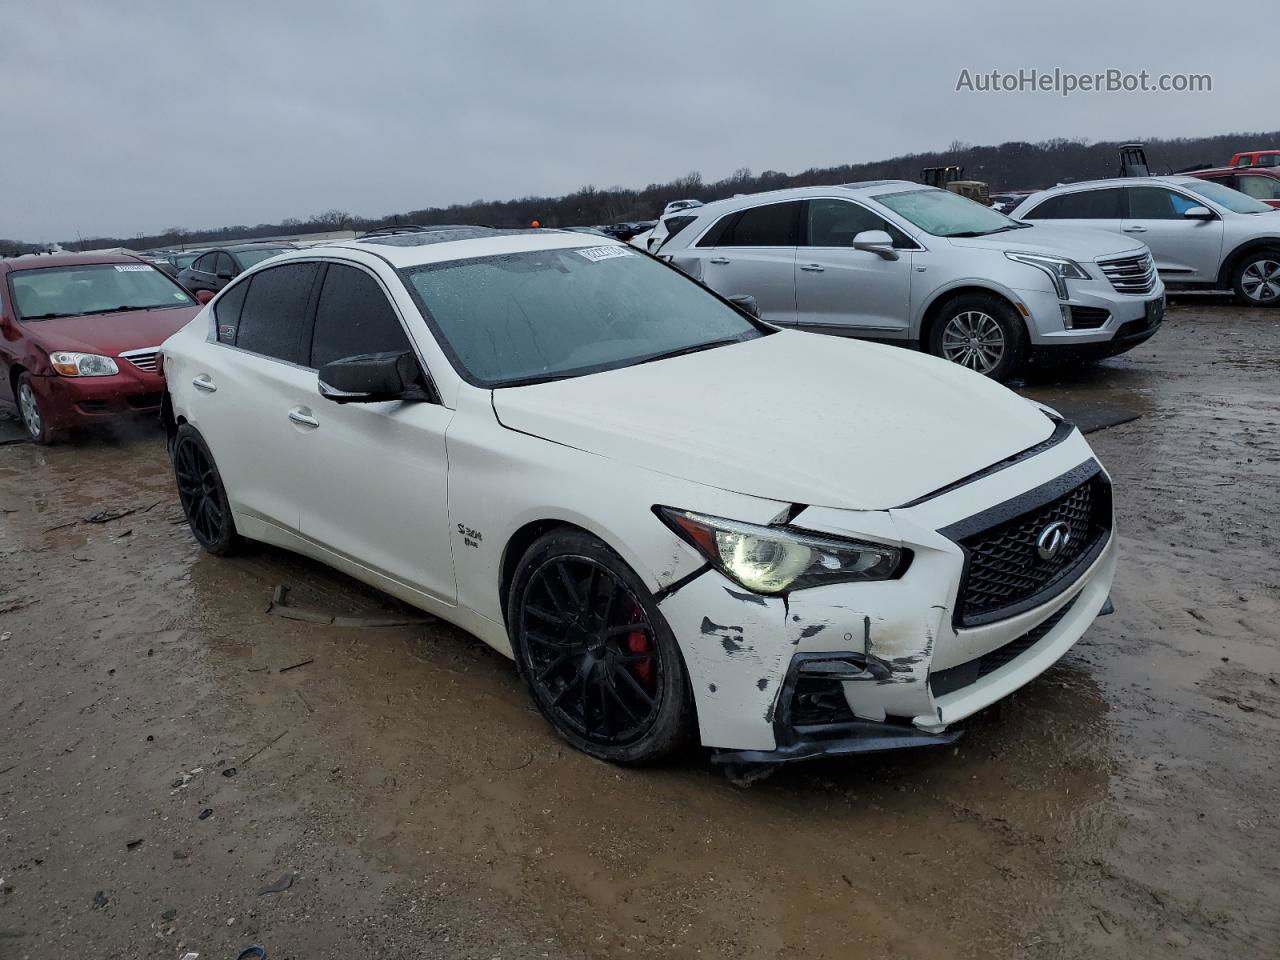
x=1124, y=805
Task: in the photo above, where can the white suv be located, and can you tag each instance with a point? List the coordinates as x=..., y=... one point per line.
x=670, y=514
x=896, y=261
x=1202, y=234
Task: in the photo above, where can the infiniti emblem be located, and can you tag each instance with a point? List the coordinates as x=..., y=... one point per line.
x=1053, y=540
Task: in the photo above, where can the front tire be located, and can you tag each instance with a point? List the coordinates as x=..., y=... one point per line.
x=982, y=333
x=598, y=656
x=32, y=414
x=204, y=499
x=1256, y=279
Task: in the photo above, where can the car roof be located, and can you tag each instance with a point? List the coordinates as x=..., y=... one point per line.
x=35, y=261
x=461, y=243
x=863, y=188
x=1175, y=180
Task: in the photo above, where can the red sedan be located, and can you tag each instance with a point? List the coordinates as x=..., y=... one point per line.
x=79, y=335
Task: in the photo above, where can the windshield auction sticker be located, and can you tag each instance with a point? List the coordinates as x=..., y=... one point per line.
x=603, y=253
x=131, y=267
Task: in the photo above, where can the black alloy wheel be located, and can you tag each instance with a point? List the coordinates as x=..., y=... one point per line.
x=204, y=501
x=599, y=658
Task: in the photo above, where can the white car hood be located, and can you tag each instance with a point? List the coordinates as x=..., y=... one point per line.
x=1077, y=243
x=796, y=417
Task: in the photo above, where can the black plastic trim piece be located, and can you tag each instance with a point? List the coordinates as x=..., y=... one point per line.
x=1061, y=431
x=675, y=585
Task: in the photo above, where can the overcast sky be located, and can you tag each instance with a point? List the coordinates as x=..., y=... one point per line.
x=127, y=118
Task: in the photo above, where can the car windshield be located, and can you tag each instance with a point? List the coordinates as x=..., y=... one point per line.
x=550, y=314
x=248, y=258
x=1233, y=200
x=47, y=292
x=946, y=214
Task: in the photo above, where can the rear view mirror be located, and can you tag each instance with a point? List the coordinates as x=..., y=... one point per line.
x=372, y=377
x=204, y=296
x=877, y=242
x=746, y=303
x=1198, y=213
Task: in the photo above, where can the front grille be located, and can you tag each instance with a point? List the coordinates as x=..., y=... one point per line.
x=143, y=359
x=962, y=675
x=1134, y=275
x=1004, y=572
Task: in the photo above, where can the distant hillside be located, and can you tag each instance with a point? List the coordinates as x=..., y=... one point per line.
x=1009, y=166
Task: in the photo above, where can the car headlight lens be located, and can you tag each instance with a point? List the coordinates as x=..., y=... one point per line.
x=70, y=364
x=1059, y=269
x=779, y=559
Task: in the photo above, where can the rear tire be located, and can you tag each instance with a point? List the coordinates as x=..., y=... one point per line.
x=598, y=656
x=204, y=499
x=980, y=332
x=1256, y=279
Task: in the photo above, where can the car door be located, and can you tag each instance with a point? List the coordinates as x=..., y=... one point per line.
x=373, y=486
x=1101, y=209
x=1183, y=249
x=247, y=387
x=753, y=251
x=202, y=274
x=840, y=289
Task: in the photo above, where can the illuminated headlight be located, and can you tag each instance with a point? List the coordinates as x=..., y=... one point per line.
x=779, y=559
x=1059, y=269
x=69, y=364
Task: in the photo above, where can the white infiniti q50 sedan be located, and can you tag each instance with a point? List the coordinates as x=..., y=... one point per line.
x=676, y=519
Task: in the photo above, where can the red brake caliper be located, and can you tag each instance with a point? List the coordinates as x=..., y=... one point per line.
x=638, y=642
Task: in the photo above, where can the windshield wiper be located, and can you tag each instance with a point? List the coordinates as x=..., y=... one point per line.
x=987, y=233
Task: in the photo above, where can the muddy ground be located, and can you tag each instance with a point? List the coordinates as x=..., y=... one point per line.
x=400, y=784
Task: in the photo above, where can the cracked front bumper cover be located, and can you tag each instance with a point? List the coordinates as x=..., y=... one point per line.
x=813, y=718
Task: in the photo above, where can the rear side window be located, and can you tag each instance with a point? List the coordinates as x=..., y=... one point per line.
x=1086, y=205
x=225, y=264
x=354, y=317
x=226, y=312
x=771, y=225
x=675, y=224
x=274, y=316
x=205, y=263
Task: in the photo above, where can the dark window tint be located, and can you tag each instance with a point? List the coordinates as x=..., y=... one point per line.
x=714, y=236
x=226, y=312
x=226, y=265
x=205, y=263
x=273, y=319
x=772, y=225
x=1156, y=203
x=1085, y=205
x=675, y=224
x=354, y=317
x=834, y=223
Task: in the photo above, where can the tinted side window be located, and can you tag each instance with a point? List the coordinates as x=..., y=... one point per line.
x=226, y=264
x=205, y=263
x=273, y=318
x=834, y=223
x=354, y=317
x=1085, y=205
x=675, y=224
x=714, y=236
x=1156, y=203
x=226, y=311
x=772, y=225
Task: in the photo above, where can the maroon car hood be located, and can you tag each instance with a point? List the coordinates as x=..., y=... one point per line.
x=110, y=334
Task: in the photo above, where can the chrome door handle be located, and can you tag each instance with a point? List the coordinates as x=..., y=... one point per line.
x=718, y=260
x=301, y=419
x=204, y=383
x=1135, y=229
x=814, y=267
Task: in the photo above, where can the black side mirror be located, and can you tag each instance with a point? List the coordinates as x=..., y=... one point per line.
x=372, y=377
x=746, y=303
x=225, y=275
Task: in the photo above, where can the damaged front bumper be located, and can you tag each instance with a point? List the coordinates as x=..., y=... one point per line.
x=875, y=666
